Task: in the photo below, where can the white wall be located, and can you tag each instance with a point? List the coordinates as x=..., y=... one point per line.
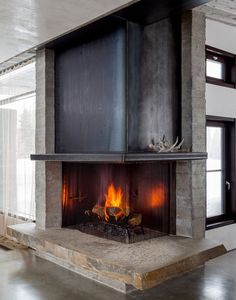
x=220, y=35
x=221, y=101
x=224, y=235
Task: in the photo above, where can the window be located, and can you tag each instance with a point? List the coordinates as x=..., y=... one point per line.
x=215, y=171
x=220, y=67
x=214, y=69
x=17, y=142
x=219, y=168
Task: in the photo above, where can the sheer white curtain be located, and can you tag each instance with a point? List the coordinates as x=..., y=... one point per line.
x=17, y=142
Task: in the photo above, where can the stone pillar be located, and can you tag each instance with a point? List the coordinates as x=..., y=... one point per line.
x=48, y=174
x=191, y=176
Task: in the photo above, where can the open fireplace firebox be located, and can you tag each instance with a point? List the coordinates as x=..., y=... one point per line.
x=123, y=202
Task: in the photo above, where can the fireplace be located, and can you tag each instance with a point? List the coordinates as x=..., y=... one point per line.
x=103, y=94
x=114, y=89
x=123, y=202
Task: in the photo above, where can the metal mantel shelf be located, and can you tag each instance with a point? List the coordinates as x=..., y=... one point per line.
x=119, y=157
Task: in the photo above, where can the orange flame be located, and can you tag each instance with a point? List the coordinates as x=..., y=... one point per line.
x=115, y=201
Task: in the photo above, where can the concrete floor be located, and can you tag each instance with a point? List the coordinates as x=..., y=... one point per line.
x=25, y=276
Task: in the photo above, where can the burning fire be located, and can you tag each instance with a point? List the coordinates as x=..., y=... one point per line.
x=115, y=204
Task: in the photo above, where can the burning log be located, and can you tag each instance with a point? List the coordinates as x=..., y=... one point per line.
x=87, y=212
x=118, y=212
x=99, y=211
x=135, y=220
x=114, y=211
x=127, y=211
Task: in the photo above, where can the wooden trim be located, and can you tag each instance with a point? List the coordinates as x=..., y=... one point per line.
x=219, y=51
x=233, y=169
x=219, y=119
x=220, y=82
x=228, y=61
x=229, y=124
x=219, y=224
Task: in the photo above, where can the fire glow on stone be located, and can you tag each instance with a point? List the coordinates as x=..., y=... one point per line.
x=156, y=197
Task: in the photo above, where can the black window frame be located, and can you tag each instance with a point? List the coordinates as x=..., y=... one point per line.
x=228, y=61
x=229, y=149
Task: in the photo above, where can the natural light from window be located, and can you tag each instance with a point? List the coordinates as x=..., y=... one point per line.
x=214, y=69
x=17, y=142
x=215, y=205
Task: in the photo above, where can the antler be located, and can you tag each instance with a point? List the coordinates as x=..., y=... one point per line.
x=165, y=146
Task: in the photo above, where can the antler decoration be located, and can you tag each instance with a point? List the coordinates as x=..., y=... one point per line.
x=165, y=146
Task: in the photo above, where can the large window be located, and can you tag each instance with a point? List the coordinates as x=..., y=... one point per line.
x=215, y=171
x=17, y=142
x=219, y=170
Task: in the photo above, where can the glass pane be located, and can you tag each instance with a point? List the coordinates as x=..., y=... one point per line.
x=215, y=205
x=214, y=148
x=214, y=69
x=18, y=123
x=18, y=82
x=17, y=141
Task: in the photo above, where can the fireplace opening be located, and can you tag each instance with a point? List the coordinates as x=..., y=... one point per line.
x=123, y=202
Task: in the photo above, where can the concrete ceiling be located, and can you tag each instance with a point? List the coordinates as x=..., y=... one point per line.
x=25, y=24
x=220, y=10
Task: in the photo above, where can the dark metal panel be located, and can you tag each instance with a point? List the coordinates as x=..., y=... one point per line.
x=81, y=157
x=135, y=35
x=154, y=82
x=90, y=94
x=145, y=157
x=172, y=190
x=120, y=157
x=150, y=11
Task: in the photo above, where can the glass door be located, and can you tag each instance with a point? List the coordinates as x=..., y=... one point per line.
x=218, y=173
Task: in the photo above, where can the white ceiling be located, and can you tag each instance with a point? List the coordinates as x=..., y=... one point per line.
x=221, y=10
x=25, y=24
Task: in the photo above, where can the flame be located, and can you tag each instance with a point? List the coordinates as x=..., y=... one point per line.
x=115, y=200
x=157, y=195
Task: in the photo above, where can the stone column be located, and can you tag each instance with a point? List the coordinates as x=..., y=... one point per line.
x=191, y=176
x=48, y=174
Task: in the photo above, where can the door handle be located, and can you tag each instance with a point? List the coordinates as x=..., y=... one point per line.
x=228, y=184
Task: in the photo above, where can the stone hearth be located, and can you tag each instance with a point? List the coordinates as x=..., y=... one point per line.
x=122, y=267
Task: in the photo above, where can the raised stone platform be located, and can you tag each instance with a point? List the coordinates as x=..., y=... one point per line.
x=141, y=265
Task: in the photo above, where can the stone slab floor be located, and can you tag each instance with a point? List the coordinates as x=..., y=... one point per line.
x=23, y=276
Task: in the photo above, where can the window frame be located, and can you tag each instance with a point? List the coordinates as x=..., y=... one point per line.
x=229, y=162
x=228, y=61
x=222, y=170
